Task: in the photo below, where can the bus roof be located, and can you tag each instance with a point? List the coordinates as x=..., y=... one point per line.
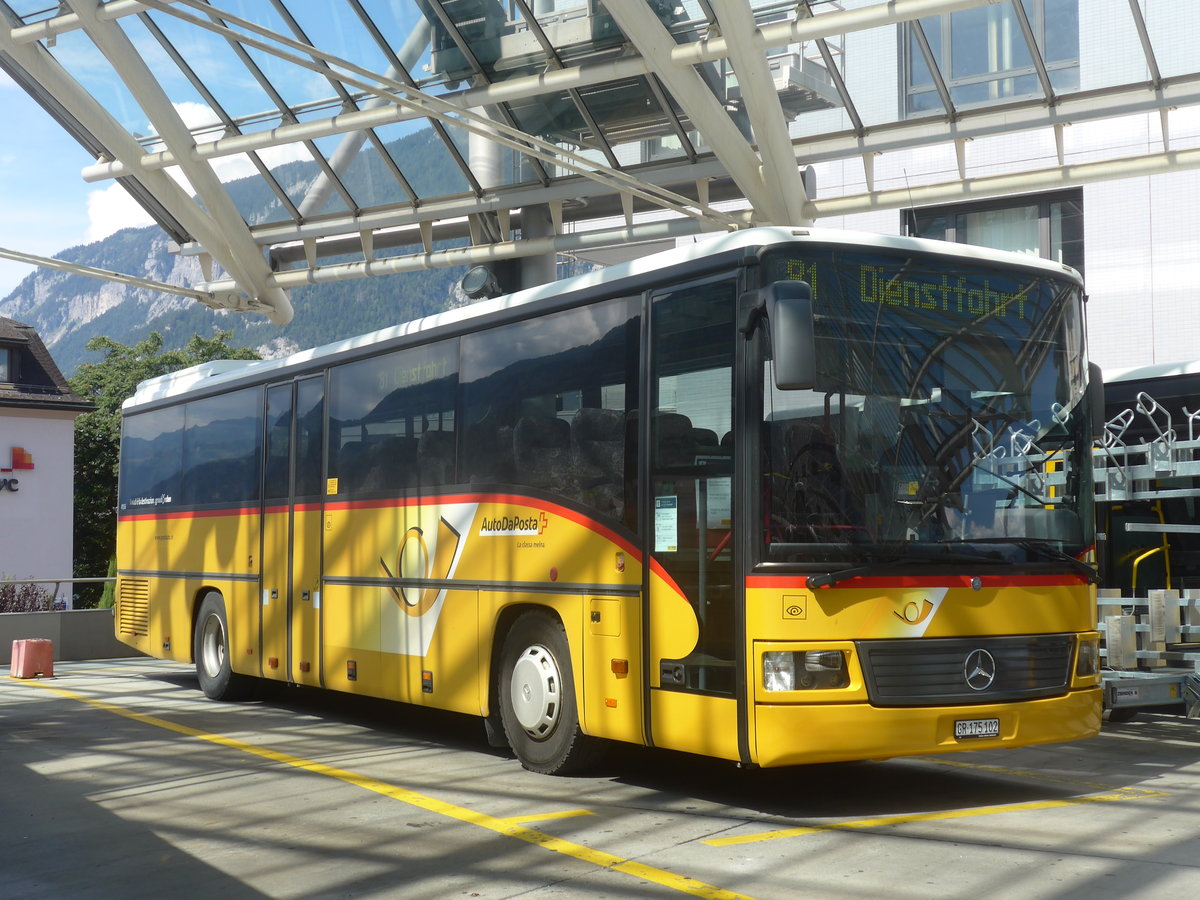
x=1158, y=370
x=209, y=375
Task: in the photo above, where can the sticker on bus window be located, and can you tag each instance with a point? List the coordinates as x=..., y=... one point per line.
x=666, y=524
x=331, y=486
x=715, y=497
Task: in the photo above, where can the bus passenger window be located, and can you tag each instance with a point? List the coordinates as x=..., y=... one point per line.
x=545, y=404
x=381, y=411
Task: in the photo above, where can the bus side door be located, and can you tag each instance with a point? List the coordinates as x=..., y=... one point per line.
x=695, y=658
x=292, y=530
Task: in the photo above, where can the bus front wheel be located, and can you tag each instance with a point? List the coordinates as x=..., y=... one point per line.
x=537, y=698
x=211, y=651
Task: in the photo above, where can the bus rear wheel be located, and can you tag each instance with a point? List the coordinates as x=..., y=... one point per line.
x=211, y=652
x=537, y=698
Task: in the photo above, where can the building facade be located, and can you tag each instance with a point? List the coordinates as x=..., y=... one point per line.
x=1134, y=239
x=37, y=461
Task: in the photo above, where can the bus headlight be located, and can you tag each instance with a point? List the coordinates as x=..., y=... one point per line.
x=779, y=670
x=1087, y=664
x=804, y=670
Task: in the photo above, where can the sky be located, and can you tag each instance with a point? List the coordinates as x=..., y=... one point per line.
x=45, y=206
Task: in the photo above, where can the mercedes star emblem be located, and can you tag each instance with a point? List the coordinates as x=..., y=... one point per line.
x=979, y=670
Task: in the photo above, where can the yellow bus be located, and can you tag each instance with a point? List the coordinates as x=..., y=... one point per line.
x=785, y=496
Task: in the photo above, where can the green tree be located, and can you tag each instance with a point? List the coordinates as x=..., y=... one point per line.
x=107, y=384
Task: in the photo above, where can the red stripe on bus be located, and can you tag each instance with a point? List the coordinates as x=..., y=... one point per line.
x=580, y=519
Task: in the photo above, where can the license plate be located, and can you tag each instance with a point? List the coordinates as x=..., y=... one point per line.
x=976, y=728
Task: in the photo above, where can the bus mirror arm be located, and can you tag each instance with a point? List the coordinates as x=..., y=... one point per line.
x=1095, y=396
x=787, y=307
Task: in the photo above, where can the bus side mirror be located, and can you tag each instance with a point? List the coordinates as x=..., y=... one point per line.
x=787, y=307
x=1095, y=390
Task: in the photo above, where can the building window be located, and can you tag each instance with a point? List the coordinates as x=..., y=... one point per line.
x=1048, y=225
x=6, y=366
x=984, y=58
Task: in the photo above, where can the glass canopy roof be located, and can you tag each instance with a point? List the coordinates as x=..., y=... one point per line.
x=293, y=142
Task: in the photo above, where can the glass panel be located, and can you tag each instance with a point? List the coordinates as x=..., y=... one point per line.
x=84, y=62
x=932, y=226
x=151, y=460
x=1066, y=233
x=1013, y=228
x=221, y=448
x=1175, y=35
x=554, y=117
x=279, y=443
x=987, y=39
x=626, y=111
x=382, y=413
x=919, y=74
x=439, y=174
x=5, y=364
x=948, y=408
x=479, y=24
x=217, y=65
x=336, y=29
x=988, y=58
x=1062, y=31
x=692, y=468
x=546, y=403
x=310, y=431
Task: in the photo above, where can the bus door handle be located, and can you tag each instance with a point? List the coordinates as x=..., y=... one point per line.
x=305, y=595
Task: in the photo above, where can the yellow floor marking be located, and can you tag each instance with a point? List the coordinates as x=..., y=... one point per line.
x=508, y=827
x=881, y=821
x=1021, y=773
x=546, y=817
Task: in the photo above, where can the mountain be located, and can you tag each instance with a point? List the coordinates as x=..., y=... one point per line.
x=67, y=310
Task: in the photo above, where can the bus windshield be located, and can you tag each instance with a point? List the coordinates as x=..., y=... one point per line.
x=948, y=409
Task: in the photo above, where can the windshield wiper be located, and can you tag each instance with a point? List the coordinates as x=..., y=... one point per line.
x=1046, y=551
x=828, y=579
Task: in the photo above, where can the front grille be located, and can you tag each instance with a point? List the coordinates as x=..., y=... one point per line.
x=934, y=671
x=133, y=606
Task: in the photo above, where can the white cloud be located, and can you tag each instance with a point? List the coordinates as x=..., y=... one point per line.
x=111, y=209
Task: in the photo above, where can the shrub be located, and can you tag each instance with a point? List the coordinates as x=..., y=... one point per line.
x=24, y=598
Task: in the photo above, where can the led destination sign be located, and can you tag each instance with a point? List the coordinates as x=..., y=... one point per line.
x=960, y=295
x=973, y=294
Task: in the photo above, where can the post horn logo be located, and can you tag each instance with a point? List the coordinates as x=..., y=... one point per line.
x=979, y=669
x=914, y=613
x=414, y=562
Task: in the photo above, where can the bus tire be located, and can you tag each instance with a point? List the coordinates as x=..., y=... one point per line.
x=211, y=651
x=536, y=692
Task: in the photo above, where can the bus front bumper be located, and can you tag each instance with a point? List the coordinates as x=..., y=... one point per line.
x=797, y=734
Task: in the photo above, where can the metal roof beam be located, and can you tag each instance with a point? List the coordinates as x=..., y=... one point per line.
x=173, y=200
x=898, y=198
x=223, y=230
x=1026, y=116
x=1056, y=177
x=309, y=57
x=74, y=268
x=644, y=31
x=485, y=253
x=779, y=167
x=514, y=89
x=1106, y=103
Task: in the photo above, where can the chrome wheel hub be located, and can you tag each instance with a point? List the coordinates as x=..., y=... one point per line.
x=535, y=692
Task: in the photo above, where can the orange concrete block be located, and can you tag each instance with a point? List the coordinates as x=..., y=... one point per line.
x=33, y=657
